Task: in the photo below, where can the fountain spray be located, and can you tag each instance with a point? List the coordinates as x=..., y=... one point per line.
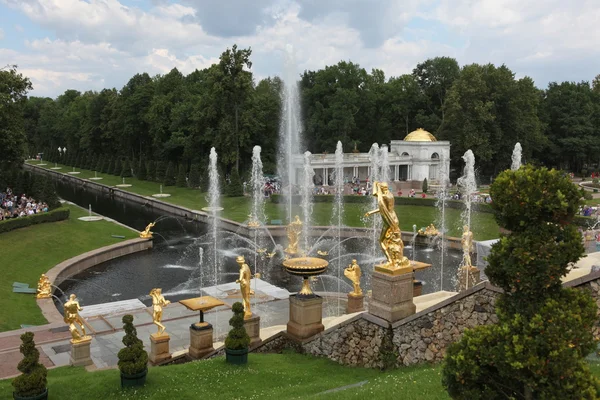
x=213, y=202
x=257, y=182
x=516, y=157
x=374, y=175
x=469, y=185
x=441, y=205
x=306, y=193
x=338, y=207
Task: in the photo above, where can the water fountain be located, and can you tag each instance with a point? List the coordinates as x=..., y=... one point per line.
x=96, y=177
x=123, y=185
x=516, y=157
x=374, y=176
x=468, y=275
x=90, y=217
x=161, y=194
x=73, y=172
x=338, y=209
x=257, y=183
x=306, y=195
x=384, y=164
x=290, y=130
x=441, y=205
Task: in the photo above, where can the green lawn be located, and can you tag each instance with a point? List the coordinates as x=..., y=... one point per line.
x=28, y=252
x=267, y=376
x=237, y=208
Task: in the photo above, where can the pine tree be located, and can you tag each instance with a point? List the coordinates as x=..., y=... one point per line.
x=108, y=166
x=151, y=171
x=117, y=167
x=181, y=181
x=49, y=196
x=235, y=188
x=169, y=175
x=126, y=170
x=98, y=166
x=141, y=171
x=194, y=180
x=425, y=187
x=160, y=171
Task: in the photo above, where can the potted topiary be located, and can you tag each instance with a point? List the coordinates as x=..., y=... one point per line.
x=133, y=359
x=237, y=341
x=31, y=384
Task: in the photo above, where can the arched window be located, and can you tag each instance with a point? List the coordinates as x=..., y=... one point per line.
x=435, y=156
x=405, y=154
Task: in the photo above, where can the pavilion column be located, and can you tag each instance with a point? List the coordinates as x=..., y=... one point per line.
x=326, y=178
x=396, y=168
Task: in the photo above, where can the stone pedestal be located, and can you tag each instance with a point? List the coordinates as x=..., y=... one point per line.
x=80, y=353
x=355, y=303
x=468, y=277
x=252, y=326
x=417, y=288
x=201, y=340
x=392, y=296
x=306, y=315
x=159, y=348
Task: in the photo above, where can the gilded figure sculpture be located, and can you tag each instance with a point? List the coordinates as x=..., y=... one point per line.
x=74, y=320
x=293, y=233
x=253, y=221
x=431, y=230
x=158, y=302
x=244, y=281
x=354, y=273
x=467, y=244
x=390, y=238
x=44, y=288
x=146, y=234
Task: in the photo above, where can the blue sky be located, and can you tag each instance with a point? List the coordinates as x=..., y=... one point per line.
x=92, y=44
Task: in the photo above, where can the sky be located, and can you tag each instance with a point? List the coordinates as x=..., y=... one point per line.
x=93, y=44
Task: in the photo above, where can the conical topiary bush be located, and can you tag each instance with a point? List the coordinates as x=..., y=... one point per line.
x=181, y=180
x=32, y=382
x=237, y=341
x=170, y=175
x=133, y=359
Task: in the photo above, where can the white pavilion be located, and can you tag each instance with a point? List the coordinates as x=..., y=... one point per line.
x=420, y=155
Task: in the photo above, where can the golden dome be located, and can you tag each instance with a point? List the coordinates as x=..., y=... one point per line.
x=420, y=135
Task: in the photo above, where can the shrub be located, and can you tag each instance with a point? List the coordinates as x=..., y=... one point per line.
x=169, y=179
x=99, y=164
x=194, y=179
x=133, y=359
x=49, y=195
x=126, y=171
x=537, y=349
x=107, y=165
x=142, y=174
x=32, y=381
x=237, y=338
x=160, y=171
x=234, y=188
x=424, y=188
x=117, y=167
x=58, y=214
x=181, y=181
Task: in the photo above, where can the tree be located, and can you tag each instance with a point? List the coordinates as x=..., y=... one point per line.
x=32, y=381
x=425, y=187
x=537, y=349
x=13, y=91
x=169, y=179
x=160, y=171
x=141, y=172
x=151, y=171
x=99, y=164
x=108, y=166
x=48, y=194
x=234, y=188
x=194, y=179
x=132, y=358
x=181, y=179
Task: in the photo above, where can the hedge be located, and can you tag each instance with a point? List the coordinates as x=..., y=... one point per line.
x=58, y=214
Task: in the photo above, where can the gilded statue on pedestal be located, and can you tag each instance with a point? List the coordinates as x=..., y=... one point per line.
x=158, y=302
x=73, y=319
x=146, y=234
x=390, y=238
x=431, y=230
x=467, y=244
x=44, y=288
x=253, y=221
x=353, y=273
x=244, y=281
x=293, y=233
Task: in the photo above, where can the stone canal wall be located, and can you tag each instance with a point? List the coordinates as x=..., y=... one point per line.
x=75, y=265
x=422, y=337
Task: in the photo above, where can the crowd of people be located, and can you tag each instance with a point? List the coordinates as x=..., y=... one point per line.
x=14, y=206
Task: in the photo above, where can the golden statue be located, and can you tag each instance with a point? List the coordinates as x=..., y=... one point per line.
x=253, y=221
x=431, y=230
x=293, y=233
x=271, y=255
x=390, y=238
x=73, y=319
x=44, y=288
x=146, y=234
x=244, y=281
x=353, y=273
x=467, y=244
x=322, y=252
x=158, y=302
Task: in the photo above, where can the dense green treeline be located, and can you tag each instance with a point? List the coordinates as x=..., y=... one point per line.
x=175, y=119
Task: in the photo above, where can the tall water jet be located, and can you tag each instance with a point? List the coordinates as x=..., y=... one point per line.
x=306, y=194
x=468, y=184
x=384, y=164
x=214, y=196
x=338, y=208
x=516, y=157
x=290, y=129
x=257, y=182
x=374, y=175
x=441, y=205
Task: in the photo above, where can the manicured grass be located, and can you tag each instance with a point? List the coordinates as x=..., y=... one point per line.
x=28, y=252
x=267, y=376
x=237, y=208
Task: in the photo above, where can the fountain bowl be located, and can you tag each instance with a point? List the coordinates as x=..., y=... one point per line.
x=305, y=267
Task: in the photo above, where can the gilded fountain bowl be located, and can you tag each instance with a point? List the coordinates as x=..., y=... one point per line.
x=305, y=266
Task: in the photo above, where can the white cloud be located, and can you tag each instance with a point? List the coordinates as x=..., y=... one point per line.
x=19, y=28
x=1, y=34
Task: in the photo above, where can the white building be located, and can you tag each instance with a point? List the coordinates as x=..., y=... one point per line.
x=411, y=160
